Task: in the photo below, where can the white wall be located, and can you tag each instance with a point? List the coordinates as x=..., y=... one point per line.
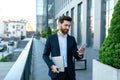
x=1, y=28
x=17, y=29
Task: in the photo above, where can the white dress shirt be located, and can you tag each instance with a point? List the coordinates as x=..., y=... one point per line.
x=63, y=47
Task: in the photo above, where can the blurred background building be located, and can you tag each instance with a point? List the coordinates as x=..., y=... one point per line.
x=14, y=29
x=91, y=18
x=39, y=15
x=44, y=14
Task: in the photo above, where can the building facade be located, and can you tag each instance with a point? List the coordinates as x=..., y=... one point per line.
x=91, y=19
x=51, y=13
x=41, y=15
x=14, y=29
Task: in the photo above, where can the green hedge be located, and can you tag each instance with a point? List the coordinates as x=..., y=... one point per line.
x=43, y=34
x=5, y=59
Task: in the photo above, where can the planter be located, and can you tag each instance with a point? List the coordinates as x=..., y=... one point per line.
x=104, y=72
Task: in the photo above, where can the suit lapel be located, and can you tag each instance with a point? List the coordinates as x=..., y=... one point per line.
x=68, y=44
x=57, y=45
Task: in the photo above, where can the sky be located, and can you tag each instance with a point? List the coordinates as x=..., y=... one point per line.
x=18, y=9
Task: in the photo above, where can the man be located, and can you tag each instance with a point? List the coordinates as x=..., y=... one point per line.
x=62, y=44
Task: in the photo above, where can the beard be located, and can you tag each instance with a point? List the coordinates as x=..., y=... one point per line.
x=64, y=31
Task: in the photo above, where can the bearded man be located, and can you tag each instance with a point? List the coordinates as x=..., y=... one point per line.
x=62, y=44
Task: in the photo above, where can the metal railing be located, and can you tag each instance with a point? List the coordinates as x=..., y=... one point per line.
x=21, y=70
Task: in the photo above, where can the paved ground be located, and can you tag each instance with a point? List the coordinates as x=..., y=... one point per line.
x=40, y=70
x=4, y=68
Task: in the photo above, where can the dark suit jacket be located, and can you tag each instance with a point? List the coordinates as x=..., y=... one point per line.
x=52, y=48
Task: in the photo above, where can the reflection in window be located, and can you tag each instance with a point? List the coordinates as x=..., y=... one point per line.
x=109, y=10
x=72, y=23
x=90, y=22
x=92, y=17
x=79, y=25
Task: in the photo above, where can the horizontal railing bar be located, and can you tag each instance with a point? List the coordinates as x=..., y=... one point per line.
x=17, y=70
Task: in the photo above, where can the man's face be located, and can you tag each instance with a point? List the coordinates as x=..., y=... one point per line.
x=64, y=27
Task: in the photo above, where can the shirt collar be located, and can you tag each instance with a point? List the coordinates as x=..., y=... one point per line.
x=61, y=35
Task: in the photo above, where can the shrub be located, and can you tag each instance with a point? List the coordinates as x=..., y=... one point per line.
x=55, y=31
x=43, y=34
x=109, y=52
x=49, y=32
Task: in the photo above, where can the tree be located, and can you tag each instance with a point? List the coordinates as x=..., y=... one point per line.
x=109, y=52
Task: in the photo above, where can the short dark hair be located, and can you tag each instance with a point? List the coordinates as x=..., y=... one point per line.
x=62, y=18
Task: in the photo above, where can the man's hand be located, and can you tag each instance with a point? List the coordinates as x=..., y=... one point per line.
x=55, y=69
x=81, y=51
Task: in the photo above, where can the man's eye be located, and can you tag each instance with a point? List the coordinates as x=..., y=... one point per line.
x=66, y=25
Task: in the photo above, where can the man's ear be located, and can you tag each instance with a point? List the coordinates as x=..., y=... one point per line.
x=59, y=24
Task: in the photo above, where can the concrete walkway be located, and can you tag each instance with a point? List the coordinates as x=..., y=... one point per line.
x=40, y=69
x=90, y=54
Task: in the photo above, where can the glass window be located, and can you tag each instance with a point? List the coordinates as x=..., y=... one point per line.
x=79, y=25
x=18, y=25
x=13, y=32
x=107, y=5
x=21, y=27
x=13, y=26
x=109, y=10
x=22, y=32
x=90, y=22
x=67, y=13
x=67, y=1
x=72, y=23
x=7, y=29
x=112, y=4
